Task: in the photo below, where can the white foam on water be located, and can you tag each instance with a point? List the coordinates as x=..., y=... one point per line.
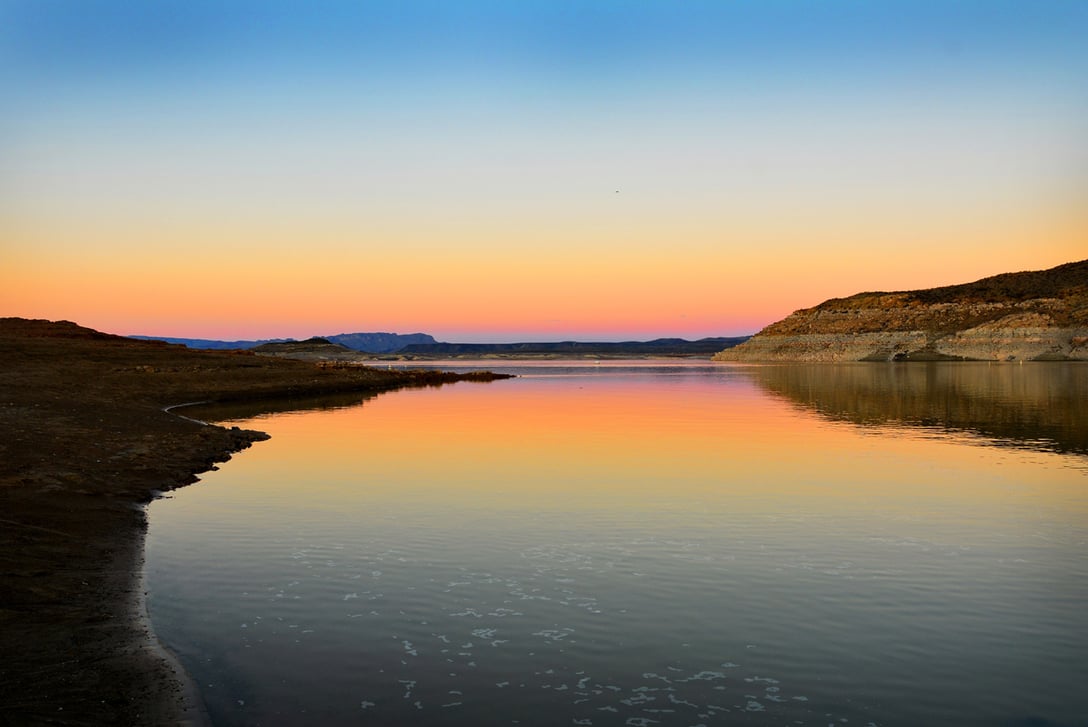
x=554, y=634
x=637, y=700
x=704, y=676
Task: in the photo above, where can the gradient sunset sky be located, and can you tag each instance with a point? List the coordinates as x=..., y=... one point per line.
x=524, y=170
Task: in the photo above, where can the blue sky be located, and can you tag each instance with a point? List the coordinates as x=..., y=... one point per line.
x=778, y=153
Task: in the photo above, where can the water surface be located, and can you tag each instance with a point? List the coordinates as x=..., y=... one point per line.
x=638, y=543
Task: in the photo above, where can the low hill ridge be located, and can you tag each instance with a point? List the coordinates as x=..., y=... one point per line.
x=1033, y=315
x=363, y=342
x=315, y=345
x=554, y=349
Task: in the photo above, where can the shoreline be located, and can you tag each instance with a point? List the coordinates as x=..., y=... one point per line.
x=190, y=707
x=190, y=703
x=85, y=445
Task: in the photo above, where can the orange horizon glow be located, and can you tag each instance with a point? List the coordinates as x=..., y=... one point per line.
x=257, y=290
x=700, y=170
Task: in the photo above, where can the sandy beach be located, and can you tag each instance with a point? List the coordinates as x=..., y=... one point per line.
x=86, y=443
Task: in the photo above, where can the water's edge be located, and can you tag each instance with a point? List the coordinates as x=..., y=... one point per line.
x=192, y=708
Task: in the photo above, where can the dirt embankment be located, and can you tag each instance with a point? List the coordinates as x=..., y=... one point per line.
x=84, y=444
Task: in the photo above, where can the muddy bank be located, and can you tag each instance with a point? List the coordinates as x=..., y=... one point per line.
x=85, y=443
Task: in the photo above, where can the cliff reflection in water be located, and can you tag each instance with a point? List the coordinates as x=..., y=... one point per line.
x=1037, y=405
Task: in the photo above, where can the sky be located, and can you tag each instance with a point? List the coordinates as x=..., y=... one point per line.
x=505, y=171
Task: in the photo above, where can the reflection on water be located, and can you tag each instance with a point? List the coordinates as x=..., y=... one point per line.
x=238, y=410
x=1040, y=405
x=641, y=545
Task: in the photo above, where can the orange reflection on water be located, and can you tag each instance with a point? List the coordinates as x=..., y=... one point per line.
x=637, y=444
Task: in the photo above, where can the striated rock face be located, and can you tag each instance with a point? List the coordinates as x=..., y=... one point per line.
x=1041, y=315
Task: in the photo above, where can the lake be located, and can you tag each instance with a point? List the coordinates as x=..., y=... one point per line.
x=644, y=543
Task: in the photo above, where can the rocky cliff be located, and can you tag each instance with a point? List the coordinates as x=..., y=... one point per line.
x=1037, y=315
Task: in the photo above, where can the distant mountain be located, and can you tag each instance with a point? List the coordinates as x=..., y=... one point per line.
x=1034, y=315
x=422, y=345
x=657, y=347
x=380, y=342
x=365, y=342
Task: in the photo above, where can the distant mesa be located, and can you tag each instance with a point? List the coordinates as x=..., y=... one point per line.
x=380, y=342
x=423, y=346
x=361, y=342
x=574, y=349
x=1027, y=316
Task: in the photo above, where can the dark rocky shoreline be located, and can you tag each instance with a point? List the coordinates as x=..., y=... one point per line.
x=87, y=443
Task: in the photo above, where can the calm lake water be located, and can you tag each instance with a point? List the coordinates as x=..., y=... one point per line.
x=647, y=544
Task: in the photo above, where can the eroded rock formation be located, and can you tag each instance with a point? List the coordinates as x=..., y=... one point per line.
x=1038, y=315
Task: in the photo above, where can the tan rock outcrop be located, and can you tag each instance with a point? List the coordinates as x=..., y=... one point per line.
x=1017, y=316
